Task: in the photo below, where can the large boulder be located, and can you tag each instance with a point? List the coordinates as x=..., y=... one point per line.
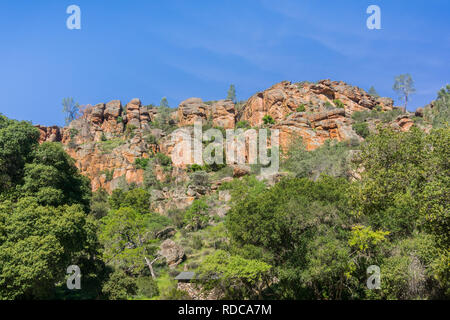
x=222, y=113
x=191, y=110
x=113, y=110
x=166, y=233
x=172, y=252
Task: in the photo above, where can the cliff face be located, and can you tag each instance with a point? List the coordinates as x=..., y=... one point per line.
x=107, y=138
x=314, y=111
x=221, y=113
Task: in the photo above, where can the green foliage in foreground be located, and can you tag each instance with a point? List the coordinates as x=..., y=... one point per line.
x=331, y=158
x=362, y=129
x=44, y=227
x=321, y=236
x=439, y=115
x=236, y=276
x=310, y=236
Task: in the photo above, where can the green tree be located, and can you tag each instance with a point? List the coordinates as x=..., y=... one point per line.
x=127, y=243
x=231, y=94
x=120, y=286
x=362, y=129
x=404, y=87
x=235, y=276
x=70, y=109
x=373, y=92
x=196, y=215
x=53, y=168
x=43, y=224
x=162, y=119
x=37, y=246
x=17, y=141
x=439, y=114
x=300, y=226
x=332, y=158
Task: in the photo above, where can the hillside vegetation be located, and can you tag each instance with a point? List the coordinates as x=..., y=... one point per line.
x=310, y=231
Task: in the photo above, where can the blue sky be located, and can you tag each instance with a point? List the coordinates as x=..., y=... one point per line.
x=196, y=48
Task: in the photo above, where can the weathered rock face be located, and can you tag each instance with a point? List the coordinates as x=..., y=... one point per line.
x=222, y=112
x=404, y=123
x=285, y=97
x=51, y=134
x=103, y=148
x=196, y=292
x=191, y=110
x=324, y=117
x=316, y=128
x=172, y=252
x=107, y=138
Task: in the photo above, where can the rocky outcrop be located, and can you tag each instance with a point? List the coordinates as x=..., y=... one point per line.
x=191, y=110
x=403, y=123
x=107, y=138
x=221, y=113
x=313, y=111
x=316, y=128
x=166, y=233
x=172, y=252
x=51, y=134
x=240, y=170
x=196, y=292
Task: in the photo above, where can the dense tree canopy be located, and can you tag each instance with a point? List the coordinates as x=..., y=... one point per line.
x=43, y=224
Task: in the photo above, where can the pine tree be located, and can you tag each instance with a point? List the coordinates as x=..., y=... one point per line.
x=373, y=92
x=232, y=93
x=404, y=87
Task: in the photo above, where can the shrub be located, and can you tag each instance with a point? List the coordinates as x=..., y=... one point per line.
x=110, y=145
x=147, y=287
x=173, y=293
x=150, y=139
x=119, y=286
x=243, y=124
x=119, y=119
x=197, y=215
x=141, y=163
x=195, y=167
x=109, y=174
x=339, y=103
x=268, y=119
x=362, y=129
x=177, y=216
x=150, y=180
x=200, y=178
x=103, y=137
x=328, y=105
x=163, y=160
x=197, y=242
x=73, y=133
x=331, y=158
x=301, y=108
x=130, y=129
